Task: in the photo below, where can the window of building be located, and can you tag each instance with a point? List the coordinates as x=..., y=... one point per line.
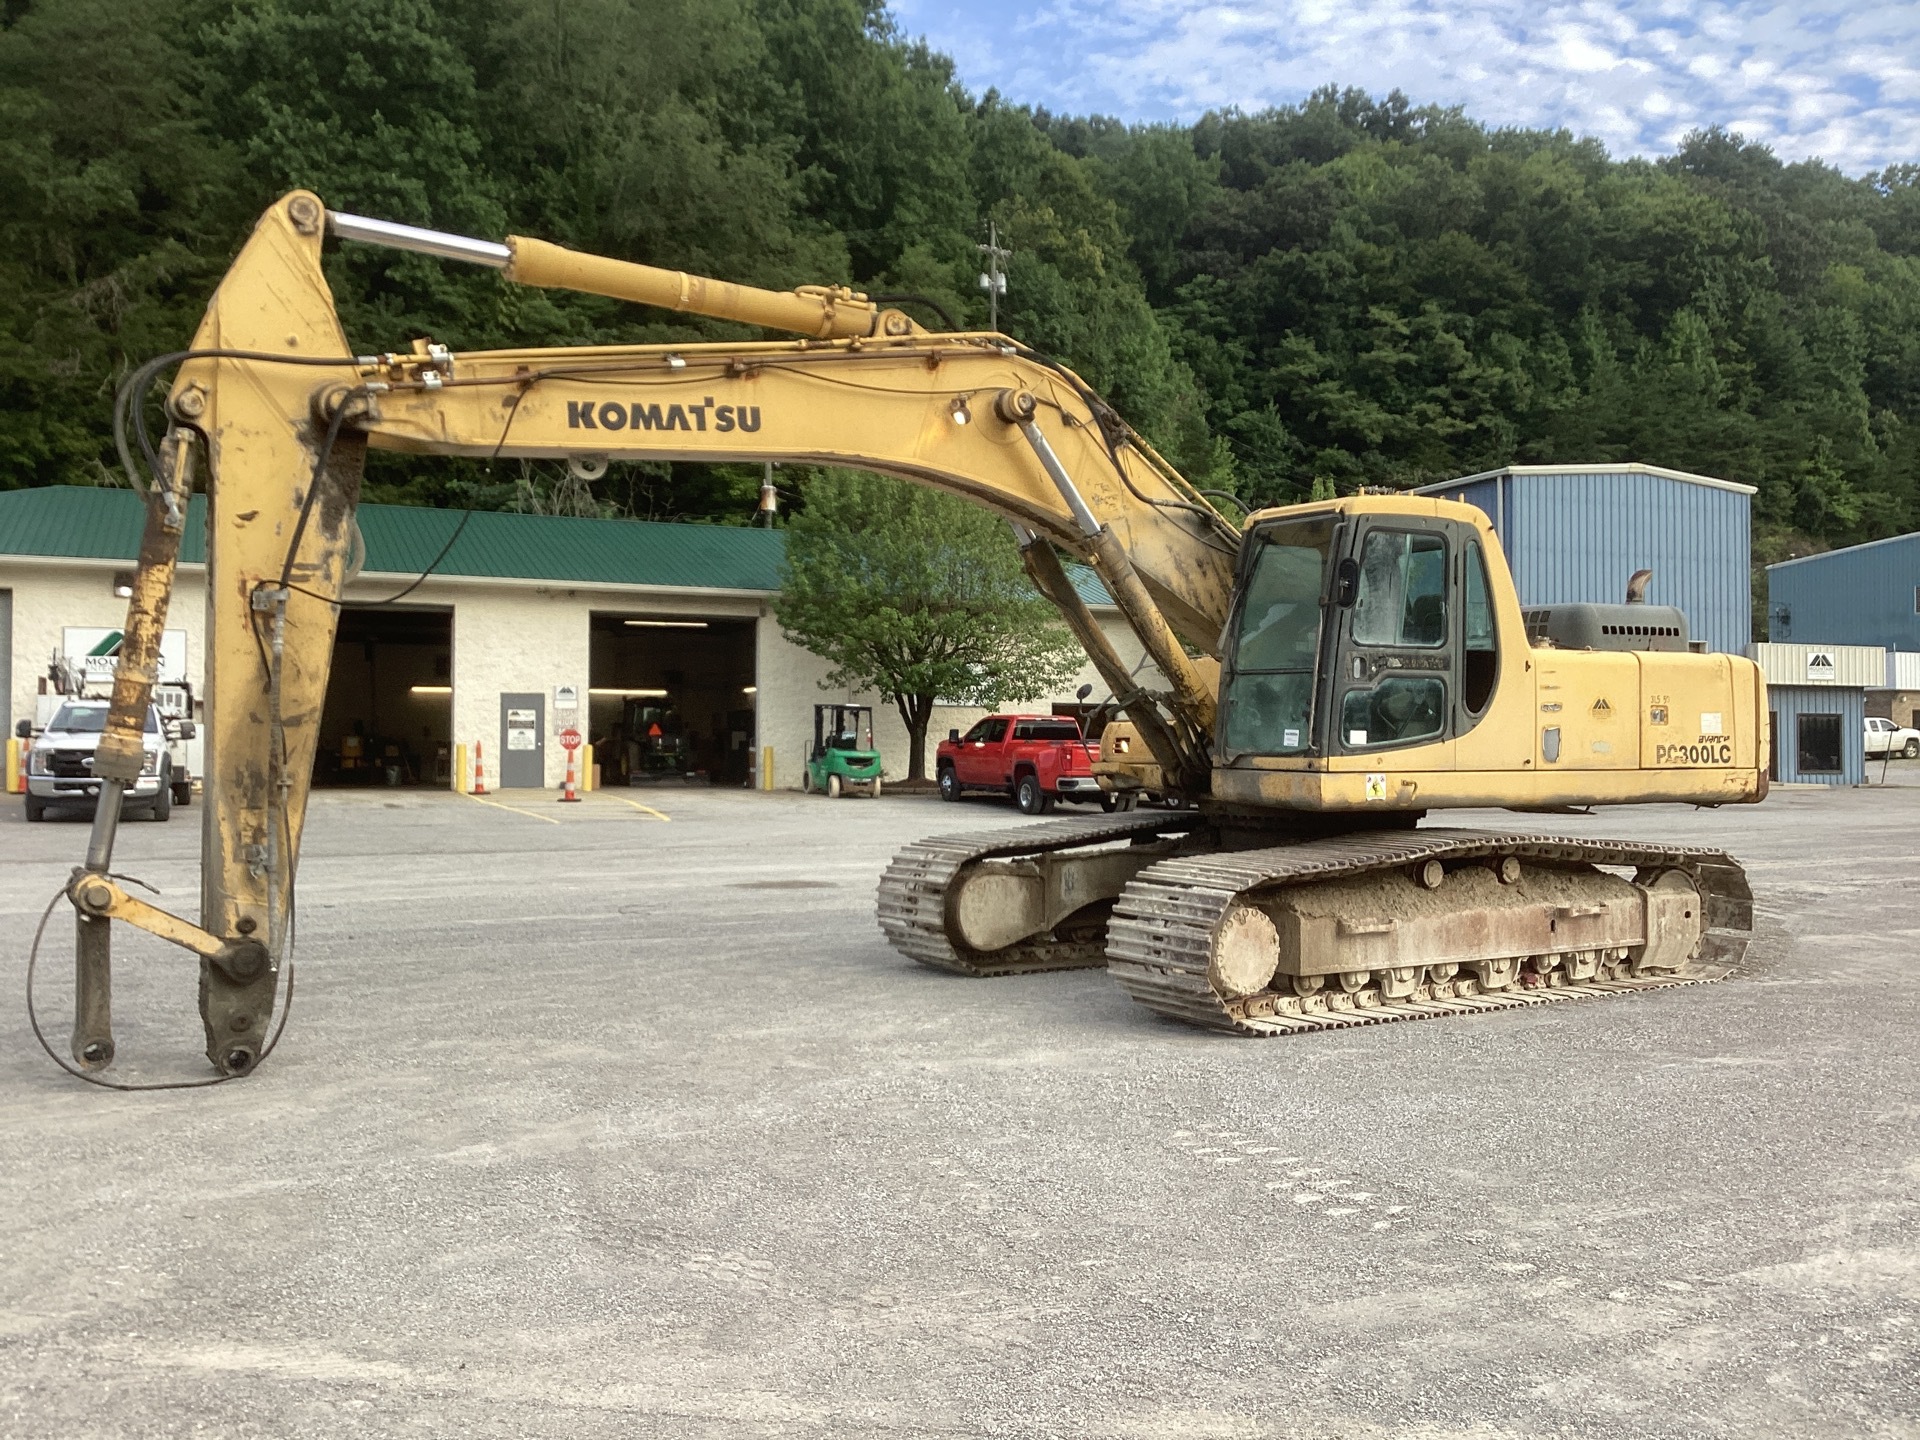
x=1819, y=737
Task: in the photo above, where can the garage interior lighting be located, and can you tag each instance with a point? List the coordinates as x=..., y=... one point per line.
x=671, y=624
x=749, y=689
x=637, y=694
x=430, y=689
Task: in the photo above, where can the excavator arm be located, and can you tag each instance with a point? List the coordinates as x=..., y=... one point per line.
x=280, y=411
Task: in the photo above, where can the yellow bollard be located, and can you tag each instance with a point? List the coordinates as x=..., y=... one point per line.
x=766, y=767
x=461, y=784
x=16, y=772
x=586, y=767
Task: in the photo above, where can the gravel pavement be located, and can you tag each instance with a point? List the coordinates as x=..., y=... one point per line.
x=593, y=1122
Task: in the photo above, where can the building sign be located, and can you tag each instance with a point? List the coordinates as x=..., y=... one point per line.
x=520, y=730
x=1821, y=669
x=566, y=697
x=91, y=652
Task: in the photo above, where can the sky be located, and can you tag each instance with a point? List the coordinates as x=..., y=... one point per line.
x=1838, y=82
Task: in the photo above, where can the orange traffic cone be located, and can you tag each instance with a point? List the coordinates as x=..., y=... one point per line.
x=567, y=791
x=479, y=771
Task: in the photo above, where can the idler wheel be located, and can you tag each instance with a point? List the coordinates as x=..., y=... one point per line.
x=1246, y=952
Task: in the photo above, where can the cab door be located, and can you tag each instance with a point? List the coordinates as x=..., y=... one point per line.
x=1395, y=680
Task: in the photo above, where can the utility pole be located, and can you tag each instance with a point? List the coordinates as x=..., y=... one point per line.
x=769, y=497
x=993, y=279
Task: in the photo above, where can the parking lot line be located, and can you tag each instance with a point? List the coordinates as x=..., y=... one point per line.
x=647, y=809
x=482, y=800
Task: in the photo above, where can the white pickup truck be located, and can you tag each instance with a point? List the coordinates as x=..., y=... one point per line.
x=1886, y=738
x=59, y=762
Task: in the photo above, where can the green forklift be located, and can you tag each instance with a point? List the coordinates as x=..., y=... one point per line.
x=843, y=753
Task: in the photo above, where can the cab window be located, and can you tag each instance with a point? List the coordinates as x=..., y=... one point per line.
x=1402, y=599
x=1397, y=711
x=1479, y=661
x=1276, y=643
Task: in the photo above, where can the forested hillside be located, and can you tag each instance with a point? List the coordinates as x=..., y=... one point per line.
x=1343, y=292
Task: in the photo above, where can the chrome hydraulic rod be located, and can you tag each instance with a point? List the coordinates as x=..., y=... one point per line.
x=91, y=1044
x=824, y=312
x=1123, y=583
x=420, y=241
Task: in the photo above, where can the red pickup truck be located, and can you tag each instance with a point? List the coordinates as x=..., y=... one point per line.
x=1037, y=759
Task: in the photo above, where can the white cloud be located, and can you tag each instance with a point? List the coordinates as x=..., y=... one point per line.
x=1812, y=78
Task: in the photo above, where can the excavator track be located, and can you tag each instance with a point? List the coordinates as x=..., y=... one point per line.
x=914, y=890
x=1161, y=935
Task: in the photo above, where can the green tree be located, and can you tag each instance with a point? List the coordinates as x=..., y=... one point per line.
x=118, y=213
x=919, y=596
x=1347, y=291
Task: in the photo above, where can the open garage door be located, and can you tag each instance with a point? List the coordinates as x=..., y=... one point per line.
x=389, y=712
x=671, y=698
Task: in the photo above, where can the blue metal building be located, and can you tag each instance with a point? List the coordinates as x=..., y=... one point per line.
x=1575, y=533
x=1863, y=595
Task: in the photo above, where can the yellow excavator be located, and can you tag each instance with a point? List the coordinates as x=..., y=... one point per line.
x=1330, y=673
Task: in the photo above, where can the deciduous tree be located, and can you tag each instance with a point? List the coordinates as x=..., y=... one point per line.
x=919, y=596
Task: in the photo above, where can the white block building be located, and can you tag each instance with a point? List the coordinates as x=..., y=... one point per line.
x=611, y=626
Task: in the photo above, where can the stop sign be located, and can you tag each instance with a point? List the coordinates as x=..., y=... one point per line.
x=570, y=739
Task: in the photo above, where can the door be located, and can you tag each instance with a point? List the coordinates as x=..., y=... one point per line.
x=1395, y=684
x=980, y=759
x=523, y=741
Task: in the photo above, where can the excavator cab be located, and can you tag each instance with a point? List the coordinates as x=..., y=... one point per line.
x=1354, y=634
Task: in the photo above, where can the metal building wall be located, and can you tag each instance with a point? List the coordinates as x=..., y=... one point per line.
x=1577, y=537
x=1863, y=595
x=1789, y=702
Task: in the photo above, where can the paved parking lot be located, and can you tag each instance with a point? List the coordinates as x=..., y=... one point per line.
x=593, y=1121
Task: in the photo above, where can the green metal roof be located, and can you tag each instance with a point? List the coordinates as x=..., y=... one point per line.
x=76, y=522
x=80, y=523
